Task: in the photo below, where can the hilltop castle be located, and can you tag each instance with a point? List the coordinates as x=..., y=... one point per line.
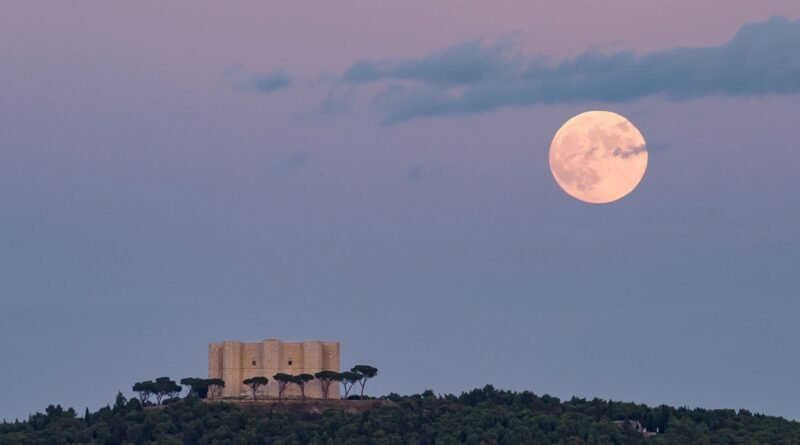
x=235, y=361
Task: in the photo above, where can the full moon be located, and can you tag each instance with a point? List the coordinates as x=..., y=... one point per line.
x=598, y=157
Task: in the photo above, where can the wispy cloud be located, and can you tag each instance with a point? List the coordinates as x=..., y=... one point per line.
x=629, y=152
x=269, y=83
x=762, y=58
x=463, y=64
x=418, y=172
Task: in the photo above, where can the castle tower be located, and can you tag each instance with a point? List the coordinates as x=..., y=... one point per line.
x=234, y=362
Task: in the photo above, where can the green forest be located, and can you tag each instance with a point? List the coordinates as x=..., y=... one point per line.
x=481, y=416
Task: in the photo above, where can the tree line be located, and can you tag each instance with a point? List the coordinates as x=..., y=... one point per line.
x=482, y=416
x=166, y=390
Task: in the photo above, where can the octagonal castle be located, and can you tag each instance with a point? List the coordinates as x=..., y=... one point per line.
x=235, y=361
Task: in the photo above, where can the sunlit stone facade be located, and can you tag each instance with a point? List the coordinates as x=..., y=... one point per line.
x=234, y=361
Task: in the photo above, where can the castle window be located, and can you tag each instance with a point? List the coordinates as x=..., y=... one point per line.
x=254, y=362
x=290, y=363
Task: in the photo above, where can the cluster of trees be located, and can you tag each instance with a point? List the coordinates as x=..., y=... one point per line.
x=481, y=416
x=203, y=388
x=167, y=390
x=358, y=374
x=162, y=388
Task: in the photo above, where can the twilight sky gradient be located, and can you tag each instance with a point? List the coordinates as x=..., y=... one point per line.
x=175, y=173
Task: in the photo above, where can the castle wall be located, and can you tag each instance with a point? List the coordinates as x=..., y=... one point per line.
x=234, y=362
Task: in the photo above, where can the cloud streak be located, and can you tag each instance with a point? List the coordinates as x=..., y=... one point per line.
x=619, y=152
x=269, y=83
x=762, y=58
x=463, y=64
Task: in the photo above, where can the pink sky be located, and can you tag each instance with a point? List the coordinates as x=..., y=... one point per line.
x=136, y=174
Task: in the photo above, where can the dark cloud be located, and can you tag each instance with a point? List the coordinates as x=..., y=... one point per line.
x=626, y=153
x=762, y=58
x=274, y=81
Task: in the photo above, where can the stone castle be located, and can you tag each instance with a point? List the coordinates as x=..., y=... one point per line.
x=235, y=361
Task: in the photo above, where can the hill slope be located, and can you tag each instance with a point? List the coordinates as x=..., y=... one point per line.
x=482, y=416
